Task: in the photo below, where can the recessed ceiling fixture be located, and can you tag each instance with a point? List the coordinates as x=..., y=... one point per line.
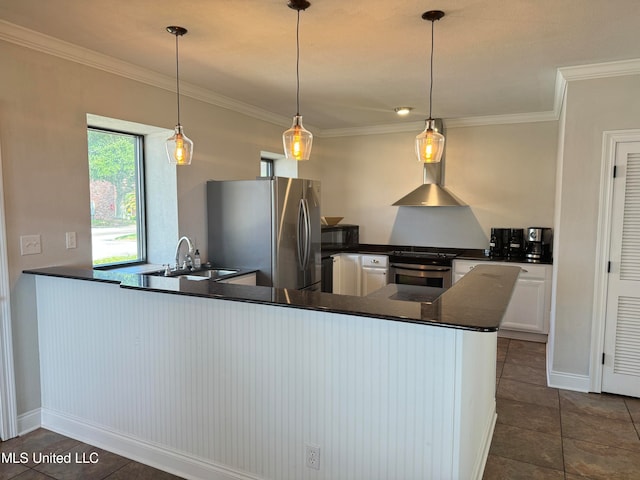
x=430, y=143
x=402, y=111
x=297, y=140
x=179, y=146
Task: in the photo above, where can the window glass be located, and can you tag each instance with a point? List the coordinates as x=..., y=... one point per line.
x=266, y=167
x=117, y=206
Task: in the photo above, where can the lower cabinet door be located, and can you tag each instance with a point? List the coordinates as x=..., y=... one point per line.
x=526, y=311
x=373, y=279
x=346, y=274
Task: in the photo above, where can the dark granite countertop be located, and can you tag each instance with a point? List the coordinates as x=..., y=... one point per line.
x=461, y=253
x=476, y=302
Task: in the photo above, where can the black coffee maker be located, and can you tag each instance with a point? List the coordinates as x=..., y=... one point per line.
x=538, y=243
x=516, y=243
x=499, y=242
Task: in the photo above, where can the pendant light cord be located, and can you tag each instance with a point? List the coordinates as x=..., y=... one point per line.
x=298, y=65
x=431, y=72
x=177, y=80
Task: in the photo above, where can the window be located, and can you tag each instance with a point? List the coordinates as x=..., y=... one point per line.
x=117, y=197
x=266, y=167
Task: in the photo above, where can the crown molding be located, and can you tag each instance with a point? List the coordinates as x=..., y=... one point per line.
x=33, y=40
x=449, y=123
x=600, y=70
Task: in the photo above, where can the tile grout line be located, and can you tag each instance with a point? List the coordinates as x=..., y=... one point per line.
x=626, y=405
x=564, y=462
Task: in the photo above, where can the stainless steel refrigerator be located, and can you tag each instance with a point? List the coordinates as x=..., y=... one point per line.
x=268, y=224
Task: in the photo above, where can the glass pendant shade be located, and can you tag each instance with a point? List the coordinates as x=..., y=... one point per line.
x=179, y=147
x=429, y=144
x=297, y=141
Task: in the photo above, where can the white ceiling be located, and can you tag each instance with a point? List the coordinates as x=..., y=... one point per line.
x=359, y=59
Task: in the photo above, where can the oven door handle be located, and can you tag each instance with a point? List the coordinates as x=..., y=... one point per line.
x=408, y=268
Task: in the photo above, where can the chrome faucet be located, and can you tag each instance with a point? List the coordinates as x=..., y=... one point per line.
x=188, y=257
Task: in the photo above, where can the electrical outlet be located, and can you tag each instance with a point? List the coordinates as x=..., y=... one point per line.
x=71, y=240
x=30, y=245
x=312, y=456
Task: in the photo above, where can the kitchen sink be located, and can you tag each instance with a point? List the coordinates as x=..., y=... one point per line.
x=213, y=273
x=207, y=274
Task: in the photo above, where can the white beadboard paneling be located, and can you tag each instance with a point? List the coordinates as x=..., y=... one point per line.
x=242, y=388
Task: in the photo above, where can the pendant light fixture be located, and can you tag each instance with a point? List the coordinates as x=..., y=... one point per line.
x=430, y=143
x=179, y=146
x=297, y=140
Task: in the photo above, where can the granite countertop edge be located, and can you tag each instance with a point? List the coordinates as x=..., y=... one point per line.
x=477, y=302
x=461, y=253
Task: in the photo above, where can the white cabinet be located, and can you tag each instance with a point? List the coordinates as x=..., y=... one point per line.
x=359, y=274
x=346, y=273
x=375, y=270
x=530, y=308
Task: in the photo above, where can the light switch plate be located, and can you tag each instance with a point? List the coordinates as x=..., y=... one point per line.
x=71, y=240
x=30, y=245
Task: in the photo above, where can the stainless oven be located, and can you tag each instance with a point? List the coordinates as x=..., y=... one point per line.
x=426, y=269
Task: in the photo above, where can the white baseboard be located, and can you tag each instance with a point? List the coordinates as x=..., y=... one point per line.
x=569, y=381
x=479, y=470
x=153, y=455
x=527, y=336
x=30, y=421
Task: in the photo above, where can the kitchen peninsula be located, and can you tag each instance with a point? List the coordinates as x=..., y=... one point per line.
x=224, y=381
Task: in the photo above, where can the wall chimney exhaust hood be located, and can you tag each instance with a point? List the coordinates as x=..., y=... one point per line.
x=431, y=193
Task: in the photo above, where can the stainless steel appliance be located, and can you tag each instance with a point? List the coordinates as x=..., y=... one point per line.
x=269, y=224
x=427, y=269
x=538, y=243
x=432, y=192
x=339, y=237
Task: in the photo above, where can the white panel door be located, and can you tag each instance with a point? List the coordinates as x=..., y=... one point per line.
x=621, y=369
x=373, y=279
x=346, y=274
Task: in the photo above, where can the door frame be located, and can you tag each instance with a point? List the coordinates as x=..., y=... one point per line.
x=8, y=410
x=610, y=141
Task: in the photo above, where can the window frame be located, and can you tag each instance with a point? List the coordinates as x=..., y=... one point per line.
x=270, y=167
x=141, y=215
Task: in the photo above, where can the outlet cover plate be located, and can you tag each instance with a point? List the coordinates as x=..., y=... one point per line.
x=71, y=240
x=30, y=245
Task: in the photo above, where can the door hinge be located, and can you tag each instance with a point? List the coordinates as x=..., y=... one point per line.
x=615, y=171
x=603, y=358
x=608, y=267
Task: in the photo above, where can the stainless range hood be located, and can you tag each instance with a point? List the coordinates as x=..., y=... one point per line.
x=431, y=193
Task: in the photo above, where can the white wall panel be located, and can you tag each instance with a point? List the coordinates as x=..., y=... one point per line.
x=244, y=387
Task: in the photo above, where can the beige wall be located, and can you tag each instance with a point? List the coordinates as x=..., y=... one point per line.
x=43, y=105
x=506, y=173
x=592, y=107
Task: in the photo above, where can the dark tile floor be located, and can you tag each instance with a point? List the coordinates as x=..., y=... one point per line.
x=542, y=433
x=79, y=461
x=545, y=433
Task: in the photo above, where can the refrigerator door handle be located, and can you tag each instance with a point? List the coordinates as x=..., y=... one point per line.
x=307, y=234
x=301, y=227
